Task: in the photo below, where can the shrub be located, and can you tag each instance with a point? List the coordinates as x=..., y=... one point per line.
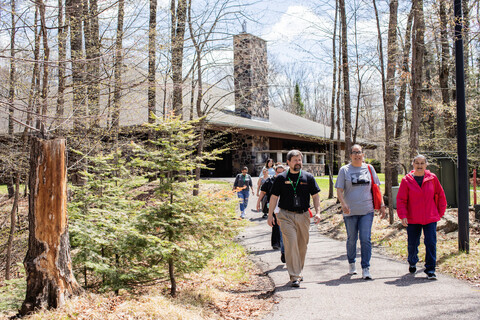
x=376, y=164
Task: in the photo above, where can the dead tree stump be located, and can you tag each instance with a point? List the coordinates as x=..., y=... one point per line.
x=48, y=263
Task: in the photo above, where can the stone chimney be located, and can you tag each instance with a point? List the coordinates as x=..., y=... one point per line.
x=250, y=71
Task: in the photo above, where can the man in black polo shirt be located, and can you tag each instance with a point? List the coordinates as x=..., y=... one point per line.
x=294, y=188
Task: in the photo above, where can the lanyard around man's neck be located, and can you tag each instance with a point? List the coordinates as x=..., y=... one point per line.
x=298, y=179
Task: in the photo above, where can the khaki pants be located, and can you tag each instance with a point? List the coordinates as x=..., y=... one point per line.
x=295, y=227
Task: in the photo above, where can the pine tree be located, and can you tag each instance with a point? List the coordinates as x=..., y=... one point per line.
x=297, y=101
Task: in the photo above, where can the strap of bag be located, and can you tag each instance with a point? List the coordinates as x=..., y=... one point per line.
x=371, y=175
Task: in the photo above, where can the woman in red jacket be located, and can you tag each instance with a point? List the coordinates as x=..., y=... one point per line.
x=421, y=204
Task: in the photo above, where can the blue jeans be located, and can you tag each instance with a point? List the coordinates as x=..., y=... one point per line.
x=359, y=226
x=414, y=232
x=243, y=196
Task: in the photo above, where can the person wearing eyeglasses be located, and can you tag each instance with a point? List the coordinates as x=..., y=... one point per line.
x=354, y=191
x=421, y=203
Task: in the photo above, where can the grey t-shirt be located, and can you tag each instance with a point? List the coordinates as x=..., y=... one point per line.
x=357, y=191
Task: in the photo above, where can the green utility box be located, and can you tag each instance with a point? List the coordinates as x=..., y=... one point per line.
x=445, y=168
x=394, y=196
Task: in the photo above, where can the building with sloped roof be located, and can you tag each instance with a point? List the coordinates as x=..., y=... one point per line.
x=258, y=130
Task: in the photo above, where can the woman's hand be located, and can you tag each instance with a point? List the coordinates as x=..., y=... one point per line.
x=382, y=211
x=405, y=222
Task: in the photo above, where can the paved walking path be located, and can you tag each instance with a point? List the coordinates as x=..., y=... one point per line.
x=328, y=292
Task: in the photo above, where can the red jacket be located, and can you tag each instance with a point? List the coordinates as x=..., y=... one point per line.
x=421, y=205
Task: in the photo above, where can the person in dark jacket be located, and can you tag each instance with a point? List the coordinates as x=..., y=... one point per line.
x=265, y=193
x=242, y=185
x=421, y=203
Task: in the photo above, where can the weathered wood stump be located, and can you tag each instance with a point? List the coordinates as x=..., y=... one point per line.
x=48, y=263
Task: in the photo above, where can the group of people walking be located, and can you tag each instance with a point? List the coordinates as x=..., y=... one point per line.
x=421, y=203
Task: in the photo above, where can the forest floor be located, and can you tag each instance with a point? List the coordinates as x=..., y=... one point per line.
x=230, y=287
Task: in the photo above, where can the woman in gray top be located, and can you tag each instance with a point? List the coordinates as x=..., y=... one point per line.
x=354, y=191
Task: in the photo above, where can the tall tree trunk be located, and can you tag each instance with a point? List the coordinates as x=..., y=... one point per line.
x=418, y=47
x=62, y=57
x=13, y=225
x=74, y=13
x=339, y=111
x=48, y=264
x=178, y=13
x=392, y=49
x=359, y=82
x=11, y=91
x=332, y=108
x=152, y=33
x=449, y=116
x=118, y=67
x=401, y=99
x=428, y=108
x=92, y=52
x=346, y=82
x=198, y=105
x=46, y=57
x=34, y=86
x=466, y=38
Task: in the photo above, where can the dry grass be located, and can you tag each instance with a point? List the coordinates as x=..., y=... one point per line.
x=230, y=287
x=392, y=239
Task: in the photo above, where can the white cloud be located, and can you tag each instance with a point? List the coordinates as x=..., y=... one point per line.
x=294, y=23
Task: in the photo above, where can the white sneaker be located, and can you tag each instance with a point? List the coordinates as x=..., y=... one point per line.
x=352, y=268
x=366, y=274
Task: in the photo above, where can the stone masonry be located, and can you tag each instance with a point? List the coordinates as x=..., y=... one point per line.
x=250, y=76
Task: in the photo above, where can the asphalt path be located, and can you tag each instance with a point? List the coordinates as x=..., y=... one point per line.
x=328, y=292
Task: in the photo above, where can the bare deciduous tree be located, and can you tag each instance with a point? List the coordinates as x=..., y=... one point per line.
x=346, y=81
x=418, y=48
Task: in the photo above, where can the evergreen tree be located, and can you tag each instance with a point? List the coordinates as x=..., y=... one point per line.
x=297, y=102
x=186, y=226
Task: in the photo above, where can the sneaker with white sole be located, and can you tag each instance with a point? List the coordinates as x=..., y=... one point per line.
x=352, y=269
x=431, y=276
x=366, y=274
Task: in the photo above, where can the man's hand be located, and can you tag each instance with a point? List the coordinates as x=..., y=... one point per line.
x=270, y=220
x=258, y=204
x=316, y=218
x=405, y=222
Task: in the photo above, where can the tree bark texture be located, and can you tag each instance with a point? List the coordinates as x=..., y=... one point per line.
x=392, y=50
x=46, y=58
x=332, y=108
x=118, y=66
x=178, y=13
x=418, y=48
x=13, y=225
x=92, y=52
x=48, y=262
x=11, y=91
x=401, y=98
x=62, y=57
x=152, y=34
x=74, y=13
x=33, y=92
x=346, y=82
x=449, y=116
